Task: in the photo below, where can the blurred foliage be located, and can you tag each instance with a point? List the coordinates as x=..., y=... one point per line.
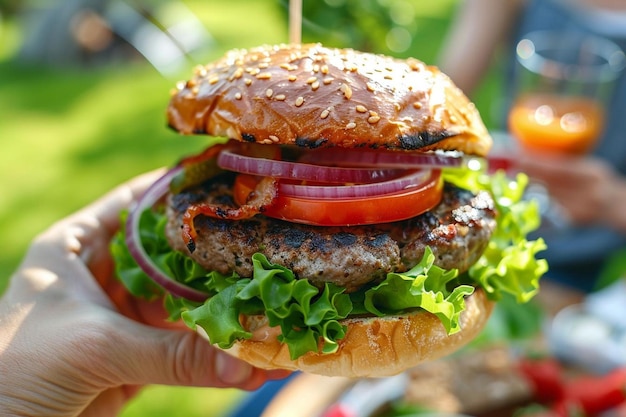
x=396, y=27
x=613, y=271
x=9, y=7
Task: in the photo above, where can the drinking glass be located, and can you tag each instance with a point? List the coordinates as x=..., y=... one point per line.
x=563, y=83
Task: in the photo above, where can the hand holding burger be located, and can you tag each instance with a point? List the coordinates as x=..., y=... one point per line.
x=73, y=342
x=343, y=224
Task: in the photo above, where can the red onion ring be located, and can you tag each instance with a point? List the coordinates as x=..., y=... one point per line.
x=387, y=159
x=233, y=161
x=409, y=180
x=153, y=194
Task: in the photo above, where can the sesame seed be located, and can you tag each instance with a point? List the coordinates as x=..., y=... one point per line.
x=280, y=97
x=173, y=92
x=328, y=80
x=324, y=114
x=373, y=119
x=191, y=83
x=285, y=66
x=248, y=81
x=264, y=65
x=214, y=80
x=264, y=76
x=311, y=80
x=414, y=65
x=274, y=138
x=238, y=73
x=361, y=109
x=315, y=85
x=388, y=77
x=417, y=105
x=299, y=101
x=195, y=90
x=324, y=69
x=316, y=68
x=351, y=125
x=267, y=141
x=200, y=71
x=453, y=118
x=346, y=90
x=370, y=87
x=238, y=96
x=292, y=78
x=269, y=93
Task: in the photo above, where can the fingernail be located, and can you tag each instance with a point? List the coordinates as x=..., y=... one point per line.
x=230, y=370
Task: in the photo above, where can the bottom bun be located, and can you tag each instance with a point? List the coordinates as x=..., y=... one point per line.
x=373, y=346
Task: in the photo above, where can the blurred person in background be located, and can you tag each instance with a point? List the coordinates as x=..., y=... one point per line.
x=74, y=342
x=589, y=190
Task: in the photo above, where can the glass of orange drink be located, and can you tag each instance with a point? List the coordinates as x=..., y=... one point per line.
x=563, y=81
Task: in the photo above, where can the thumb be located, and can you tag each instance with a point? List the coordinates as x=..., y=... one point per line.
x=146, y=355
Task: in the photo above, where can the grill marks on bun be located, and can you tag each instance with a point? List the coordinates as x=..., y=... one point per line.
x=311, y=96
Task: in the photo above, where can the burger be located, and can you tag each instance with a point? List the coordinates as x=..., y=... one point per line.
x=342, y=219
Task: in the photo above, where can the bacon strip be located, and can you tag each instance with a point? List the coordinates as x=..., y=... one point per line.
x=263, y=196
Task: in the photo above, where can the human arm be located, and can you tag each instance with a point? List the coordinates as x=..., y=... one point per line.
x=477, y=30
x=588, y=189
x=67, y=344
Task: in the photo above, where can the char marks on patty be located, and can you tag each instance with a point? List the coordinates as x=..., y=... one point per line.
x=457, y=230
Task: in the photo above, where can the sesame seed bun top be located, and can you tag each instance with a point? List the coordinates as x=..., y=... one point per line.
x=312, y=96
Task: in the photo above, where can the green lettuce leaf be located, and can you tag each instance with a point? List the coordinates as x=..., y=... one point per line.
x=219, y=317
x=509, y=265
x=306, y=316
x=425, y=286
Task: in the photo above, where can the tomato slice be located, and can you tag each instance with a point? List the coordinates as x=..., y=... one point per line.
x=384, y=208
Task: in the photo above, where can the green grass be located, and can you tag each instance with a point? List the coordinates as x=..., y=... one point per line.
x=69, y=135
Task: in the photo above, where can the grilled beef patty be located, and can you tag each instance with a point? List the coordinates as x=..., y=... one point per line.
x=457, y=230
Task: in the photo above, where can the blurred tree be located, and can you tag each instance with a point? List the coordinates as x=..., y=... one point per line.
x=363, y=24
x=396, y=27
x=9, y=7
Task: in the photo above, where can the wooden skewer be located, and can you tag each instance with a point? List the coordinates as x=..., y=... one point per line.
x=295, y=21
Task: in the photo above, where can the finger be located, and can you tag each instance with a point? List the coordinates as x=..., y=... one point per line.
x=146, y=355
x=110, y=402
x=150, y=312
x=95, y=242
